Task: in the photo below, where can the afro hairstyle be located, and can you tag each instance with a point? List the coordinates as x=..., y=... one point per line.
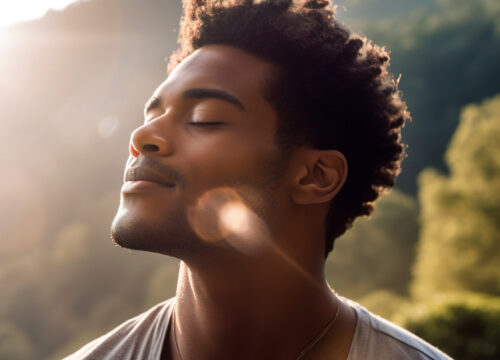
x=332, y=90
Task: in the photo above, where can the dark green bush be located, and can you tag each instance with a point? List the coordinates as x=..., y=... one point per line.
x=465, y=326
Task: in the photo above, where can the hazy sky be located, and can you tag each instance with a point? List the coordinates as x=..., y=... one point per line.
x=12, y=11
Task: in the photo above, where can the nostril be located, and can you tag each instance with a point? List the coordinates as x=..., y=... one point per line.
x=151, y=147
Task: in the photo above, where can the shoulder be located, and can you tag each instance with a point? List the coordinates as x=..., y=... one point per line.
x=377, y=338
x=132, y=339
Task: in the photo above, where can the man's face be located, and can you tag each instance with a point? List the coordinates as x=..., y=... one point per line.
x=207, y=127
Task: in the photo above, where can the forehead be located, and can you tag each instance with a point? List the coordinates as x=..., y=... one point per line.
x=222, y=67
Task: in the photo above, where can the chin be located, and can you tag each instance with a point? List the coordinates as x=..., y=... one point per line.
x=171, y=236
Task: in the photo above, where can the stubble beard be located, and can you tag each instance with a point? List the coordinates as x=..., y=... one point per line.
x=175, y=236
x=170, y=237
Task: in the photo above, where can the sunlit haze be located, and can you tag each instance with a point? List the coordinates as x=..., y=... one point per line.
x=12, y=12
x=74, y=78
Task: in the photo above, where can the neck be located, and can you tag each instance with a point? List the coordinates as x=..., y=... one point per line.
x=238, y=307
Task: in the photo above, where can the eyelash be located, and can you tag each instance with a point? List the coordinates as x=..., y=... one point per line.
x=206, y=123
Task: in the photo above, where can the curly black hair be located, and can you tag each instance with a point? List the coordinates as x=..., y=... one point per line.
x=332, y=90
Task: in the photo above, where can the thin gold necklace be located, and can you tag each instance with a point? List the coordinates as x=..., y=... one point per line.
x=321, y=334
x=306, y=349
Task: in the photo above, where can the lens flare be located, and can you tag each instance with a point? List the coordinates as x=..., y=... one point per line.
x=204, y=217
x=234, y=217
x=221, y=214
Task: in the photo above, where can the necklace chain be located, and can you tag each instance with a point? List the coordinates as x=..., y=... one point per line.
x=320, y=336
x=306, y=349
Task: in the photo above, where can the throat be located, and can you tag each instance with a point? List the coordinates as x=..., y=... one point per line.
x=248, y=311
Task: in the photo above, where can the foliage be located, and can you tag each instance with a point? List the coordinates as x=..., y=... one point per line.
x=466, y=326
x=459, y=247
x=383, y=303
x=448, y=57
x=377, y=252
x=375, y=10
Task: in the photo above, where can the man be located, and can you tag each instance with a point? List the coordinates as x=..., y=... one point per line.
x=274, y=130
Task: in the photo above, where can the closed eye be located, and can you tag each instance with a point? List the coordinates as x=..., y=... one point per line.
x=206, y=123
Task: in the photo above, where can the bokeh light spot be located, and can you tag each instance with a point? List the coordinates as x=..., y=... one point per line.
x=234, y=217
x=204, y=217
x=107, y=126
x=221, y=214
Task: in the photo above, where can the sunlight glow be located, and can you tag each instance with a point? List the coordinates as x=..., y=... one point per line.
x=221, y=214
x=12, y=12
x=234, y=217
x=205, y=216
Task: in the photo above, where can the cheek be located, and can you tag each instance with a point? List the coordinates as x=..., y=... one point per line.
x=226, y=160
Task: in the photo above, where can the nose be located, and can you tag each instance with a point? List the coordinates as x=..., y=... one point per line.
x=147, y=140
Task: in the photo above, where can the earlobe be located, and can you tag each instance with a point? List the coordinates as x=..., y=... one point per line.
x=320, y=177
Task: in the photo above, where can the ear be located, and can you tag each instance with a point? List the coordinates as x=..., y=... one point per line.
x=319, y=176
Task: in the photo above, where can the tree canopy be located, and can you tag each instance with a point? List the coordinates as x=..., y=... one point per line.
x=459, y=246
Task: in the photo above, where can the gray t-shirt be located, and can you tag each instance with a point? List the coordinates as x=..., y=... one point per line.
x=142, y=337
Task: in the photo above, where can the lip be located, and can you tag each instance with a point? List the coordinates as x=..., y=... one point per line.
x=138, y=186
x=140, y=179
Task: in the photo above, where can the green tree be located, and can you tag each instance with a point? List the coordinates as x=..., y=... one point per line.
x=384, y=303
x=464, y=325
x=459, y=247
x=378, y=252
x=448, y=57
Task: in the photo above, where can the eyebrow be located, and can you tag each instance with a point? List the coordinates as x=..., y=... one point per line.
x=203, y=93
x=197, y=93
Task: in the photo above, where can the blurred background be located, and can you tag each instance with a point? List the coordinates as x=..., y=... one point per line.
x=73, y=83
